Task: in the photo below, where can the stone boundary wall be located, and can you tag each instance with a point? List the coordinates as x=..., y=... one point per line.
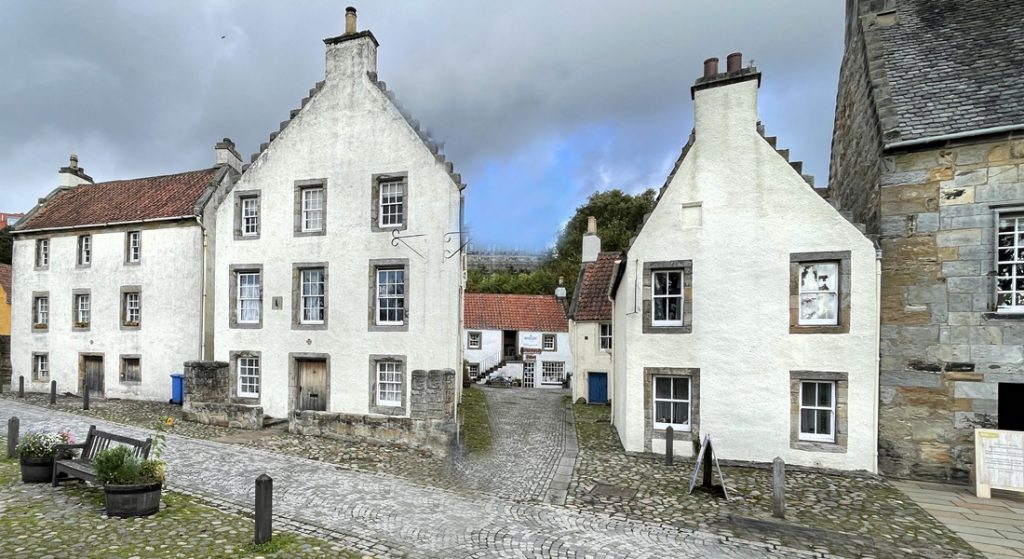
x=207, y=398
x=236, y=416
x=434, y=435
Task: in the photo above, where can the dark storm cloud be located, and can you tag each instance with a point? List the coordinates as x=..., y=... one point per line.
x=596, y=94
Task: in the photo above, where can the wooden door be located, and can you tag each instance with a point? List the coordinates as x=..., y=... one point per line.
x=597, y=392
x=529, y=369
x=92, y=375
x=312, y=385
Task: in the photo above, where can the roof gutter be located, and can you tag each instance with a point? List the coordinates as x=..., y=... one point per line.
x=954, y=136
x=108, y=224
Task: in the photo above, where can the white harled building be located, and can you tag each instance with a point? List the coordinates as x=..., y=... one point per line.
x=747, y=307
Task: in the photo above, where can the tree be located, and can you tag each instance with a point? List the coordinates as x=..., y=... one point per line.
x=6, y=246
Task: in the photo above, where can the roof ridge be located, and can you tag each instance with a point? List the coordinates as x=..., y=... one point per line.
x=92, y=184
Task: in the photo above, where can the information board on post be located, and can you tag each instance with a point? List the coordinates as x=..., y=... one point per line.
x=998, y=461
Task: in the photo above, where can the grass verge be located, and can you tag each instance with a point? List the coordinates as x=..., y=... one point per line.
x=476, y=423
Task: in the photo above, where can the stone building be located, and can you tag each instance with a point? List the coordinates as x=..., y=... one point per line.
x=746, y=306
x=109, y=280
x=590, y=321
x=928, y=152
x=339, y=278
x=519, y=337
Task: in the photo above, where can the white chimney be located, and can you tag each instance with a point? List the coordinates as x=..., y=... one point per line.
x=591, y=242
x=72, y=175
x=227, y=155
x=353, y=53
x=560, y=290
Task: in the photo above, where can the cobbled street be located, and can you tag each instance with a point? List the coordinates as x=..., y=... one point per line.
x=386, y=516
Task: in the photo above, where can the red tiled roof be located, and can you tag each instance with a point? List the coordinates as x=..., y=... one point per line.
x=592, y=295
x=5, y=280
x=121, y=201
x=494, y=311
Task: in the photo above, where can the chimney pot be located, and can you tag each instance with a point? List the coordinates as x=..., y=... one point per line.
x=710, y=67
x=592, y=225
x=74, y=161
x=734, y=62
x=350, y=20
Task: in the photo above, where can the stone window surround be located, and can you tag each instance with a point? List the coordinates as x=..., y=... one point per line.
x=479, y=340
x=293, y=376
x=381, y=409
x=40, y=327
x=246, y=194
x=79, y=263
x=233, y=271
x=38, y=253
x=75, y=325
x=35, y=372
x=128, y=248
x=554, y=342
x=375, y=264
x=843, y=322
x=297, y=269
x=121, y=369
x=999, y=209
x=648, y=312
x=650, y=433
x=600, y=338
x=123, y=303
x=375, y=181
x=233, y=357
x=842, y=390
x=301, y=185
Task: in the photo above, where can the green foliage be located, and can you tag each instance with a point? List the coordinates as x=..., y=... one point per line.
x=6, y=245
x=118, y=466
x=44, y=445
x=476, y=424
x=619, y=217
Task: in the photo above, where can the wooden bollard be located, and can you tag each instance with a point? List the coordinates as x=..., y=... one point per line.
x=21, y=386
x=13, y=425
x=669, y=439
x=264, y=508
x=778, y=488
x=53, y=392
x=85, y=397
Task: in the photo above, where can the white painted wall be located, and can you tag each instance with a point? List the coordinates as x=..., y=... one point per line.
x=588, y=356
x=489, y=353
x=756, y=211
x=348, y=132
x=170, y=274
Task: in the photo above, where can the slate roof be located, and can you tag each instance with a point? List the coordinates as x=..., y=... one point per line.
x=122, y=201
x=5, y=280
x=590, y=301
x=952, y=67
x=499, y=311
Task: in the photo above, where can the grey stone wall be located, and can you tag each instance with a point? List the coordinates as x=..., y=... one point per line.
x=433, y=394
x=434, y=435
x=208, y=400
x=237, y=416
x=944, y=350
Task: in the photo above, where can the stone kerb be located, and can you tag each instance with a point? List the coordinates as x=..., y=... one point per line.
x=207, y=398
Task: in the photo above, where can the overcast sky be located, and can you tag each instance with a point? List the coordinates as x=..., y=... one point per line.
x=539, y=103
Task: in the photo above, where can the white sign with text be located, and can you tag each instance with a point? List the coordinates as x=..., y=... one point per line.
x=998, y=461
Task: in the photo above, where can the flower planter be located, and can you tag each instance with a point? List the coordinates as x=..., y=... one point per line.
x=132, y=500
x=36, y=470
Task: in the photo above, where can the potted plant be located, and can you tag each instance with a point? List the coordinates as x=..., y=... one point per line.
x=132, y=485
x=37, y=451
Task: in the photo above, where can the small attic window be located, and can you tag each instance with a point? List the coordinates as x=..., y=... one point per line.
x=692, y=215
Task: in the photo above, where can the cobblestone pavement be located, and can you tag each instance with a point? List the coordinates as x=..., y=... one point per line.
x=529, y=429
x=993, y=526
x=386, y=516
x=847, y=515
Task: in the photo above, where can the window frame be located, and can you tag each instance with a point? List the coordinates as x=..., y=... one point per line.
x=840, y=416
x=241, y=297
x=831, y=409
x=83, y=258
x=685, y=324
x=123, y=369
x=42, y=254
x=544, y=373
x=384, y=203
x=836, y=292
x=77, y=296
x=250, y=219
x=381, y=298
x=300, y=225
x=843, y=283
x=479, y=340
x=602, y=337
x=388, y=407
x=129, y=292
x=313, y=296
x=667, y=322
x=299, y=321
x=36, y=357
x=133, y=247
x=40, y=313
x=1016, y=291
x=240, y=384
x=376, y=201
x=470, y=370
x=659, y=425
x=396, y=385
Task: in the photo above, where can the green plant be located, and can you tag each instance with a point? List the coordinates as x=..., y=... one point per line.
x=119, y=466
x=45, y=445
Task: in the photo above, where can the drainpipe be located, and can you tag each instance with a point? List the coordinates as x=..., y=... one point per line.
x=202, y=302
x=878, y=349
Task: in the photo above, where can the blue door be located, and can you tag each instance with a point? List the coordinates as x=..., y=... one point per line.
x=597, y=388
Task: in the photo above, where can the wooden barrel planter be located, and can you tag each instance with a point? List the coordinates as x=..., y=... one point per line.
x=132, y=500
x=36, y=470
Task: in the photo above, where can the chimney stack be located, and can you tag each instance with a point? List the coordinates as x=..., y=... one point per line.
x=591, y=242
x=710, y=67
x=72, y=175
x=560, y=290
x=734, y=73
x=350, y=20
x=227, y=154
x=734, y=62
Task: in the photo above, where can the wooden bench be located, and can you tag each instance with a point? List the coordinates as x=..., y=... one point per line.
x=81, y=467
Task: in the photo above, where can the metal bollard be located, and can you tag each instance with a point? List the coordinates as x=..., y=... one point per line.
x=669, y=440
x=778, y=488
x=53, y=392
x=264, y=508
x=13, y=425
x=21, y=386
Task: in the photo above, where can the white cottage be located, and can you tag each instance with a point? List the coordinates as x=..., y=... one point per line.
x=590, y=321
x=521, y=337
x=747, y=307
x=341, y=272
x=110, y=278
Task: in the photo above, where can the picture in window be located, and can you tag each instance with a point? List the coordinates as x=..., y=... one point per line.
x=1010, y=264
x=819, y=293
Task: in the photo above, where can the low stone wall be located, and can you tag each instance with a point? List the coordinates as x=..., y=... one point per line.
x=434, y=435
x=237, y=416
